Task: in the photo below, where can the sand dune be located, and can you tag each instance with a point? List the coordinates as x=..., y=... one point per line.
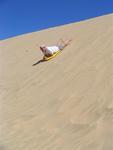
x=62, y=104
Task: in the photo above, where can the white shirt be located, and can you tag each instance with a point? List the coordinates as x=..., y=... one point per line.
x=52, y=49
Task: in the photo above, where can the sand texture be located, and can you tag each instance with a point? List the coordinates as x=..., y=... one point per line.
x=65, y=103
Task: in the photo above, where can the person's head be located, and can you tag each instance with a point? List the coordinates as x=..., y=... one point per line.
x=42, y=47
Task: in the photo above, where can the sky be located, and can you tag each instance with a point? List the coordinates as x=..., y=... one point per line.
x=24, y=16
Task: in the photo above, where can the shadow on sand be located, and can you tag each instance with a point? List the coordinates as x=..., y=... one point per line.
x=40, y=61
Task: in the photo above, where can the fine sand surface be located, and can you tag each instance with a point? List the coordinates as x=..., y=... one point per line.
x=65, y=103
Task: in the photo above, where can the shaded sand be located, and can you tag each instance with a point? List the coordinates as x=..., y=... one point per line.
x=62, y=104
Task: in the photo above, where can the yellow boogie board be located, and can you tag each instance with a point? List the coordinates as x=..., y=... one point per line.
x=48, y=58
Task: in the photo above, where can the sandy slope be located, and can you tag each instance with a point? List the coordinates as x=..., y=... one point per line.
x=62, y=104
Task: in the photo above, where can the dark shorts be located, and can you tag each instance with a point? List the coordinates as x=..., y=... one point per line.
x=60, y=47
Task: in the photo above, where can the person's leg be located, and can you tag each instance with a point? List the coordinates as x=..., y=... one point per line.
x=67, y=42
x=63, y=44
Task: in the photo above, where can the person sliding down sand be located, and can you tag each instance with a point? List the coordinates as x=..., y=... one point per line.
x=50, y=50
